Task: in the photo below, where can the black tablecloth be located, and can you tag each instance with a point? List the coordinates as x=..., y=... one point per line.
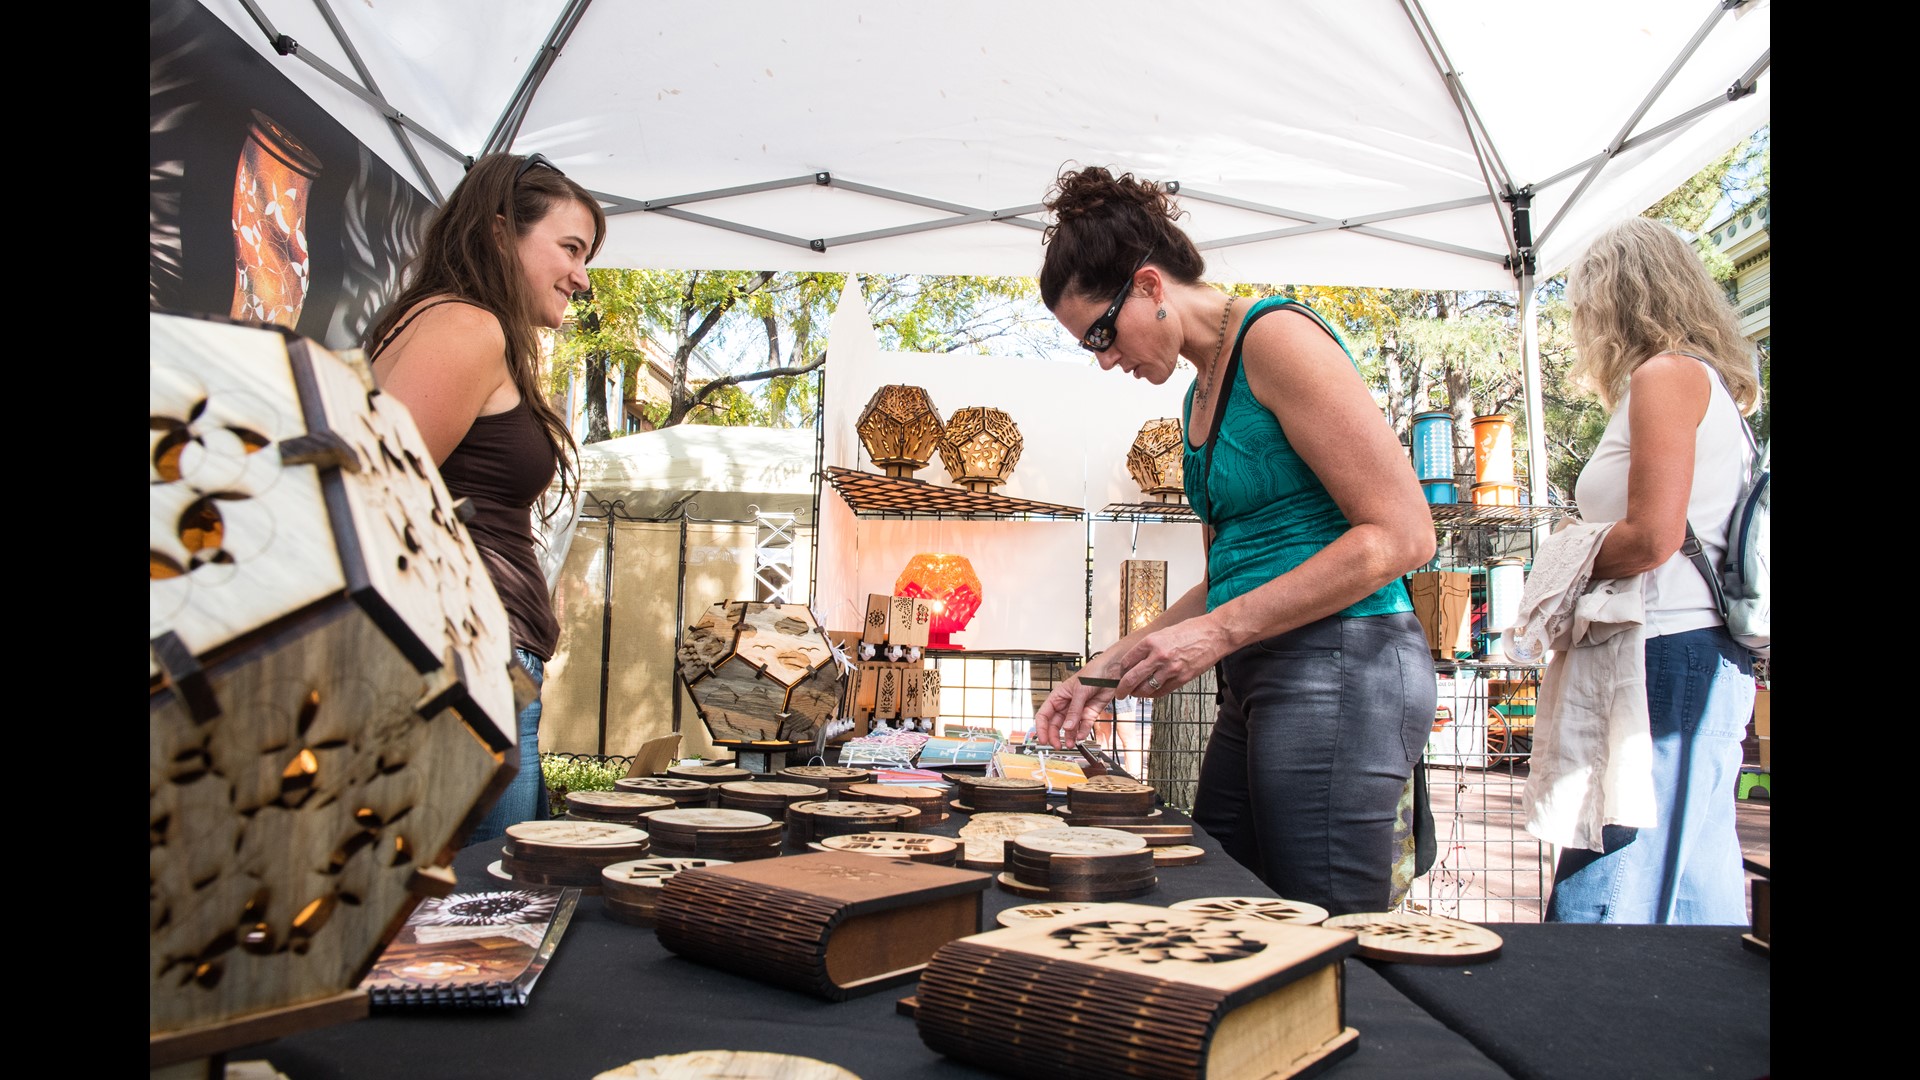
x=613, y=994
x=1570, y=1002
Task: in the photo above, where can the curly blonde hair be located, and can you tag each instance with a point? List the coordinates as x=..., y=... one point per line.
x=1639, y=291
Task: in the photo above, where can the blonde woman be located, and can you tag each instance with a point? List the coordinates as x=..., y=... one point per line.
x=1660, y=347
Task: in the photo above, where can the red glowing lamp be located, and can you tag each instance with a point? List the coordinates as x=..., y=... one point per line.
x=948, y=581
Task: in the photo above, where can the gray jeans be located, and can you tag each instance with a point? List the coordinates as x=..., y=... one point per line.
x=1317, y=735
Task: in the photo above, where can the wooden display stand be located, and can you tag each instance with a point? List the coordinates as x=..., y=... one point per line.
x=833, y=924
x=1130, y=990
x=1442, y=601
x=330, y=708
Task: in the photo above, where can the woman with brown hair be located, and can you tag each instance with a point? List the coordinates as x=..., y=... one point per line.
x=1312, y=516
x=1661, y=348
x=459, y=347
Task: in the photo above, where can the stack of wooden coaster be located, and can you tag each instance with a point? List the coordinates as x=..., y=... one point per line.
x=834, y=778
x=1000, y=795
x=710, y=774
x=733, y=835
x=619, y=807
x=1133, y=990
x=819, y=818
x=1154, y=835
x=1088, y=864
x=986, y=836
x=1110, y=800
x=930, y=801
x=630, y=890
x=914, y=847
x=769, y=797
x=812, y=922
x=1265, y=908
x=684, y=793
x=568, y=852
x=1026, y=913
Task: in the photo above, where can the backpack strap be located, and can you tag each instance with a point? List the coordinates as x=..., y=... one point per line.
x=1696, y=553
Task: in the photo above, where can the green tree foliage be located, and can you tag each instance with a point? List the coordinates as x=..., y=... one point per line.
x=740, y=347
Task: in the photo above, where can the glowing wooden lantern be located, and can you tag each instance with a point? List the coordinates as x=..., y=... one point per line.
x=1155, y=459
x=980, y=447
x=1143, y=593
x=899, y=427
x=949, y=581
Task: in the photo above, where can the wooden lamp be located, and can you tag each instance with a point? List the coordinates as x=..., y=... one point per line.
x=980, y=447
x=899, y=427
x=1155, y=460
x=949, y=581
x=1143, y=593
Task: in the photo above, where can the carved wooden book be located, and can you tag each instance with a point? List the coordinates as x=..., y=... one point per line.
x=1131, y=990
x=833, y=924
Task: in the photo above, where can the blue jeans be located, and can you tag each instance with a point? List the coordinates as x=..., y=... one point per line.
x=1687, y=869
x=526, y=797
x=1318, y=732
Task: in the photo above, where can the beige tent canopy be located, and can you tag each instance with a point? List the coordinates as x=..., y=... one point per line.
x=670, y=522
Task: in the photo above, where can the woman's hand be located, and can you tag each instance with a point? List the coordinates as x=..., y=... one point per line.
x=1070, y=711
x=1161, y=662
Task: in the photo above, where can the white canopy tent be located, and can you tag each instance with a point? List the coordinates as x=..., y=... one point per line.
x=1421, y=143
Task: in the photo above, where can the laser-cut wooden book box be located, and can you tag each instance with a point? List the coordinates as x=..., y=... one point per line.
x=330, y=706
x=1132, y=990
x=834, y=924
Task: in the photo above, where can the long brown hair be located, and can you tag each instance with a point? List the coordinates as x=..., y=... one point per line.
x=1639, y=291
x=1104, y=225
x=463, y=256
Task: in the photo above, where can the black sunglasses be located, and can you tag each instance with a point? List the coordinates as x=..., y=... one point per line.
x=529, y=162
x=1099, y=336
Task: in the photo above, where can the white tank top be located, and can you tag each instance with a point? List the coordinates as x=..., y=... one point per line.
x=1677, y=596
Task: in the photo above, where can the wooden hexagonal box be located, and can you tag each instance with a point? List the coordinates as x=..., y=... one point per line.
x=760, y=672
x=331, y=705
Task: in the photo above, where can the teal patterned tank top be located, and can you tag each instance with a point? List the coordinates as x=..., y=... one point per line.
x=1269, y=511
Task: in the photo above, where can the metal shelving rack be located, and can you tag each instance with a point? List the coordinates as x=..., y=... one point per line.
x=901, y=498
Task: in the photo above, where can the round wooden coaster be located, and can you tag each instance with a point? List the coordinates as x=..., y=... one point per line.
x=712, y=774
x=1020, y=888
x=1264, y=908
x=632, y=802
x=727, y=1065
x=1025, y=913
x=690, y=819
x=1178, y=854
x=662, y=783
x=498, y=869
x=960, y=806
x=986, y=834
x=651, y=873
x=772, y=789
x=575, y=834
x=917, y=847
x=1082, y=841
x=1409, y=937
x=1094, y=818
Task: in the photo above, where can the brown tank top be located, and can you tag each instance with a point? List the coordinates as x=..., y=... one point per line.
x=504, y=464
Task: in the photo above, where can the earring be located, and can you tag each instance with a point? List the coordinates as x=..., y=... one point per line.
x=1161, y=314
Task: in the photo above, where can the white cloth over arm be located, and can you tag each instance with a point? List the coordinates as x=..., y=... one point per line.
x=1592, y=762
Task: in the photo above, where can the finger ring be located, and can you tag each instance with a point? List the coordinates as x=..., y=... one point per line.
x=1154, y=682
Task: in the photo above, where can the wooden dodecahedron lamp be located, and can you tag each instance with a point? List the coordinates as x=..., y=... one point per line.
x=980, y=447
x=899, y=427
x=330, y=708
x=1143, y=593
x=760, y=672
x=1155, y=460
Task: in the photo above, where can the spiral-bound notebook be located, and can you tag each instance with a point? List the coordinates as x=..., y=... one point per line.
x=471, y=950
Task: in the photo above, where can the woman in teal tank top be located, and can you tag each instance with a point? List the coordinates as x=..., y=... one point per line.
x=1312, y=517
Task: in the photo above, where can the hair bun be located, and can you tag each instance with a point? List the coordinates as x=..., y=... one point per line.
x=1079, y=193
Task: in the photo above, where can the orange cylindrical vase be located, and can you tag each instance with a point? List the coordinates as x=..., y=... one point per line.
x=270, y=189
x=1493, y=449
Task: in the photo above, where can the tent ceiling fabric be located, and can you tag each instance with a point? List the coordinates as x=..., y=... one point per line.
x=1332, y=111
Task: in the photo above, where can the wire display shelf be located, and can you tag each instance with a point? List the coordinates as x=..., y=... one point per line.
x=1148, y=511
x=1478, y=515
x=871, y=495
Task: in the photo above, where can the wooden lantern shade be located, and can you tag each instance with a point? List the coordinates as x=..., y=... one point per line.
x=1143, y=593
x=899, y=427
x=980, y=447
x=1155, y=459
x=331, y=708
x=949, y=581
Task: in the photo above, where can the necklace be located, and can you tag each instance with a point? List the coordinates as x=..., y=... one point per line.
x=1213, y=371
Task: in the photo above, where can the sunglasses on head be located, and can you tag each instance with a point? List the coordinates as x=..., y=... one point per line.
x=1099, y=336
x=529, y=162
